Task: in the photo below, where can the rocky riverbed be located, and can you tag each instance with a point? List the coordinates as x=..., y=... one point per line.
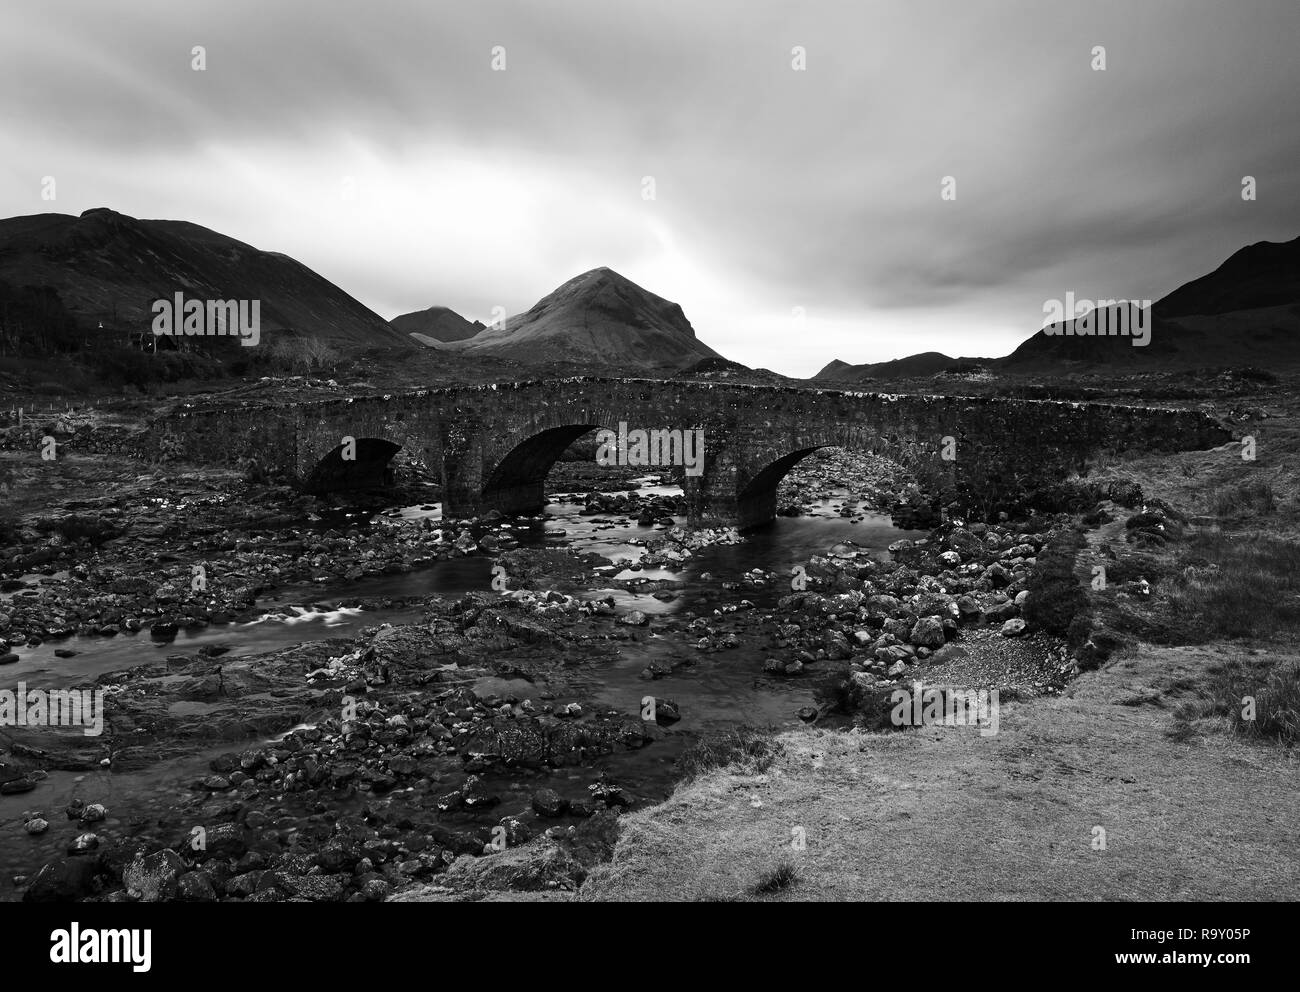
x=528, y=711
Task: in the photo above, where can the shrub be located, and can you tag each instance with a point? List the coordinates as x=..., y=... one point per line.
x=752, y=750
x=1056, y=596
x=777, y=879
x=1273, y=685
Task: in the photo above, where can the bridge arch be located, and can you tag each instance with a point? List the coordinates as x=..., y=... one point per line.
x=743, y=481
x=369, y=469
x=517, y=482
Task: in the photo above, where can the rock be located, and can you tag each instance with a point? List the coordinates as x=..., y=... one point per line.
x=635, y=619
x=94, y=813
x=836, y=645
x=314, y=888
x=548, y=802
x=376, y=890
x=1001, y=612
x=243, y=886
x=163, y=631
x=862, y=681
x=927, y=632
x=63, y=881
x=154, y=878
x=997, y=575
x=36, y=826
x=514, y=830
x=195, y=886
x=903, y=549
x=897, y=669
x=83, y=843
x=8, y=658
x=225, y=840
x=1013, y=628
x=667, y=712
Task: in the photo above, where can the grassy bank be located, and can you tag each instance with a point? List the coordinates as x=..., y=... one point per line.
x=943, y=813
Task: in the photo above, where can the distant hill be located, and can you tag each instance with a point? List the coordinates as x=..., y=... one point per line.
x=1245, y=312
x=597, y=318
x=107, y=267
x=438, y=323
x=926, y=363
x=1260, y=276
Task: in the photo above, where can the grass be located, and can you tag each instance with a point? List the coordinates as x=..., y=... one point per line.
x=1228, y=691
x=776, y=879
x=745, y=748
x=948, y=815
x=1228, y=586
x=1249, y=499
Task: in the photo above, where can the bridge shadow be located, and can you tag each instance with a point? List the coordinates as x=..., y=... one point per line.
x=756, y=501
x=369, y=468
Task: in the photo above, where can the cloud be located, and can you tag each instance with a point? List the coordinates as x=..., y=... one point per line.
x=775, y=188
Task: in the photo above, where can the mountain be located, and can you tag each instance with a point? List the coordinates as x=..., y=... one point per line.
x=913, y=366
x=1260, y=276
x=107, y=267
x=598, y=318
x=834, y=369
x=1245, y=312
x=438, y=323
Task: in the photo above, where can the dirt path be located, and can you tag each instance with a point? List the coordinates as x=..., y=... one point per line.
x=943, y=813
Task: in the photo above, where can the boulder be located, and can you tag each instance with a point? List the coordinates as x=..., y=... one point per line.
x=927, y=632
x=63, y=881
x=154, y=878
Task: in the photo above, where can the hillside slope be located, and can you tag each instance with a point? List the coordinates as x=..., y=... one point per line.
x=106, y=267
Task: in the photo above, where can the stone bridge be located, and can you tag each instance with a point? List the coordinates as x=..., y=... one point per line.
x=493, y=445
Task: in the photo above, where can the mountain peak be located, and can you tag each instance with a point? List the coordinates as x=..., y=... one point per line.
x=601, y=276
x=437, y=322
x=602, y=317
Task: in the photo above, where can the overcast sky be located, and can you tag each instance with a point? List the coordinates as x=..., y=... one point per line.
x=375, y=143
